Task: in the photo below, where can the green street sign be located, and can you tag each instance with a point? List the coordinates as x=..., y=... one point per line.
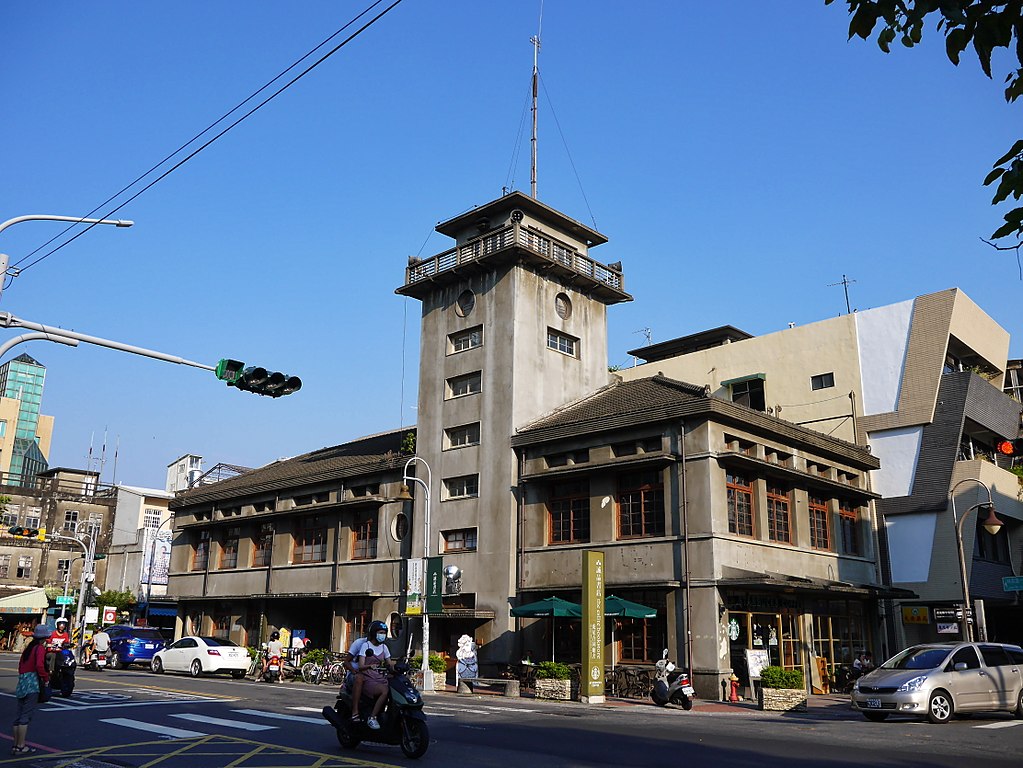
x=1012, y=583
x=65, y=600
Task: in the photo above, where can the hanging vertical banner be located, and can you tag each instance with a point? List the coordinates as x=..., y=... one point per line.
x=414, y=587
x=591, y=683
x=434, y=584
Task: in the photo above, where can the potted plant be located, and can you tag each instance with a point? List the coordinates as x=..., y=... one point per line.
x=782, y=690
x=554, y=681
x=438, y=667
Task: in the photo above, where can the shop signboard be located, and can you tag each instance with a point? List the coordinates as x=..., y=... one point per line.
x=592, y=679
x=434, y=585
x=414, y=588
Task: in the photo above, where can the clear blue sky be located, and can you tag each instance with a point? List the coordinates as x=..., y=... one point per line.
x=740, y=156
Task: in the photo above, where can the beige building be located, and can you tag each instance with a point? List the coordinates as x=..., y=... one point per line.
x=919, y=383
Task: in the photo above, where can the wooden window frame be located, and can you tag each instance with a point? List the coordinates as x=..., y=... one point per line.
x=779, y=513
x=820, y=522
x=469, y=538
x=229, y=548
x=640, y=502
x=849, y=525
x=568, y=511
x=310, y=540
x=201, y=551
x=741, y=518
x=364, y=538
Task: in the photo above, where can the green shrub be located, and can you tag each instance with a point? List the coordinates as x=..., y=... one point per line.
x=779, y=677
x=553, y=670
x=437, y=663
x=315, y=655
x=253, y=652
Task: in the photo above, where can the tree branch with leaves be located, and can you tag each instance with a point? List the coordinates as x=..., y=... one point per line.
x=983, y=24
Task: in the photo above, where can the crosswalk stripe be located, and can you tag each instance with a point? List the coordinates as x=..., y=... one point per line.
x=307, y=709
x=160, y=730
x=1003, y=724
x=277, y=716
x=225, y=723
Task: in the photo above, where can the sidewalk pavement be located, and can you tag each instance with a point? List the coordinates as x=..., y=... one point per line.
x=827, y=706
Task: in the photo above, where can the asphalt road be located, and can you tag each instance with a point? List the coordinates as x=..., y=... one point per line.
x=134, y=718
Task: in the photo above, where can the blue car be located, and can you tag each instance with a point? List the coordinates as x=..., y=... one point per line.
x=133, y=645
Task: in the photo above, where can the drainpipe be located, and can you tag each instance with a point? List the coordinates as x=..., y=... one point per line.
x=685, y=546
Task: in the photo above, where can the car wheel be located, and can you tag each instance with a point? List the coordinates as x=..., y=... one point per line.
x=157, y=665
x=876, y=717
x=940, y=707
x=116, y=663
x=196, y=669
x=1018, y=711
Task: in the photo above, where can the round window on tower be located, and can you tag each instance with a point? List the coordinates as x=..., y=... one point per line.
x=400, y=526
x=563, y=306
x=465, y=303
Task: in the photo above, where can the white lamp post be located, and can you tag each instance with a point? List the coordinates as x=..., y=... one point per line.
x=991, y=524
x=426, y=484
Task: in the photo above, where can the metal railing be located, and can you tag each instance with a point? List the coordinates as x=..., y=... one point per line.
x=543, y=245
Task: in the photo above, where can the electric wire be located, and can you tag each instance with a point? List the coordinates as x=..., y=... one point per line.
x=256, y=108
x=195, y=138
x=517, y=146
x=569, y=153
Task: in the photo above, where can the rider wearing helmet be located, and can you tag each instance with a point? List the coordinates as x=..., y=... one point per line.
x=366, y=654
x=273, y=648
x=60, y=635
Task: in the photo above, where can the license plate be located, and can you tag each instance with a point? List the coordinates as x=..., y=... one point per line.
x=149, y=645
x=688, y=690
x=873, y=703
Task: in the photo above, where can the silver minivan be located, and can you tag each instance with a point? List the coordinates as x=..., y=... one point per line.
x=937, y=680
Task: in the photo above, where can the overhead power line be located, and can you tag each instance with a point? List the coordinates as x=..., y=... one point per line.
x=206, y=130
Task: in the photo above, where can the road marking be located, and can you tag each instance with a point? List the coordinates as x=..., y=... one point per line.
x=510, y=709
x=226, y=723
x=307, y=709
x=1003, y=724
x=278, y=716
x=161, y=730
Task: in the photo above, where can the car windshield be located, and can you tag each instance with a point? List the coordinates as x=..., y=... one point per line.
x=213, y=641
x=146, y=634
x=917, y=658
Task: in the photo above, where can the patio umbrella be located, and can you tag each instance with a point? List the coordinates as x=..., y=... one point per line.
x=554, y=607
x=617, y=606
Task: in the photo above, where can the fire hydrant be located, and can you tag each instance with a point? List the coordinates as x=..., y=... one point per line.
x=733, y=682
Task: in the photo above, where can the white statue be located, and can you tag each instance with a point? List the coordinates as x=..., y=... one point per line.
x=467, y=668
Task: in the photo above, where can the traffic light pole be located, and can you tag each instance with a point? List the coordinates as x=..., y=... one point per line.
x=61, y=335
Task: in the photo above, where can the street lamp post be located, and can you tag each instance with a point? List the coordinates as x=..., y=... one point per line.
x=152, y=563
x=991, y=524
x=426, y=484
x=4, y=259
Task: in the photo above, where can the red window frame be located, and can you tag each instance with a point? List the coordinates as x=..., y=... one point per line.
x=740, y=504
x=779, y=517
x=229, y=548
x=640, y=505
x=820, y=524
x=310, y=540
x=262, y=546
x=364, y=539
x=201, y=553
x=568, y=513
x=849, y=523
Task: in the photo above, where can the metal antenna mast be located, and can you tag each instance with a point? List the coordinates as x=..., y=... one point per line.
x=536, y=77
x=845, y=282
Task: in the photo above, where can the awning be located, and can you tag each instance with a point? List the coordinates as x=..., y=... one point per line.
x=812, y=586
x=740, y=379
x=30, y=601
x=156, y=611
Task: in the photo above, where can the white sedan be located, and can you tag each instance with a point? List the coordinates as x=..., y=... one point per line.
x=197, y=655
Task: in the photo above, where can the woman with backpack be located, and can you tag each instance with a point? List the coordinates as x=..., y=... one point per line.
x=32, y=676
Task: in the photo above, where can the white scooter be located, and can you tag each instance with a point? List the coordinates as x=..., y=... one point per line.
x=672, y=685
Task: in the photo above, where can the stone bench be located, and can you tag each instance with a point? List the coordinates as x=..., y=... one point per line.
x=511, y=687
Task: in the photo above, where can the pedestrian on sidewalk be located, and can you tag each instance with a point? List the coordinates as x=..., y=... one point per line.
x=32, y=675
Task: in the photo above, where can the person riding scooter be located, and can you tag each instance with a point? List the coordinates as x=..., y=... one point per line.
x=273, y=648
x=367, y=653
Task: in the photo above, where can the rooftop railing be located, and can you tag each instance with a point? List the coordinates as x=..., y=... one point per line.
x=514, y=235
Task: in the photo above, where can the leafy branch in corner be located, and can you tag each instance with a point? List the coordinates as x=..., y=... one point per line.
x=984, y=24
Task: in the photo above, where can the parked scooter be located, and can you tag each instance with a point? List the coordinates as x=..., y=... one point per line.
x=402, y=721
x=672, y=685
x=62, y=679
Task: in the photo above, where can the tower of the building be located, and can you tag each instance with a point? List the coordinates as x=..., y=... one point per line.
x=22, y=380
x=513, y=325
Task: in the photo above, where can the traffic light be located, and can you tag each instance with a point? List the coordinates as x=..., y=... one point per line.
x=256, y=379
x=1010, y=447
x=27, y=533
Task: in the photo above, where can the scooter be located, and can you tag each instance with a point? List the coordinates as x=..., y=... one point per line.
x=63, y=677
x=672, y=685
x=402, y=720
x=98, y=661
x=273, y=670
